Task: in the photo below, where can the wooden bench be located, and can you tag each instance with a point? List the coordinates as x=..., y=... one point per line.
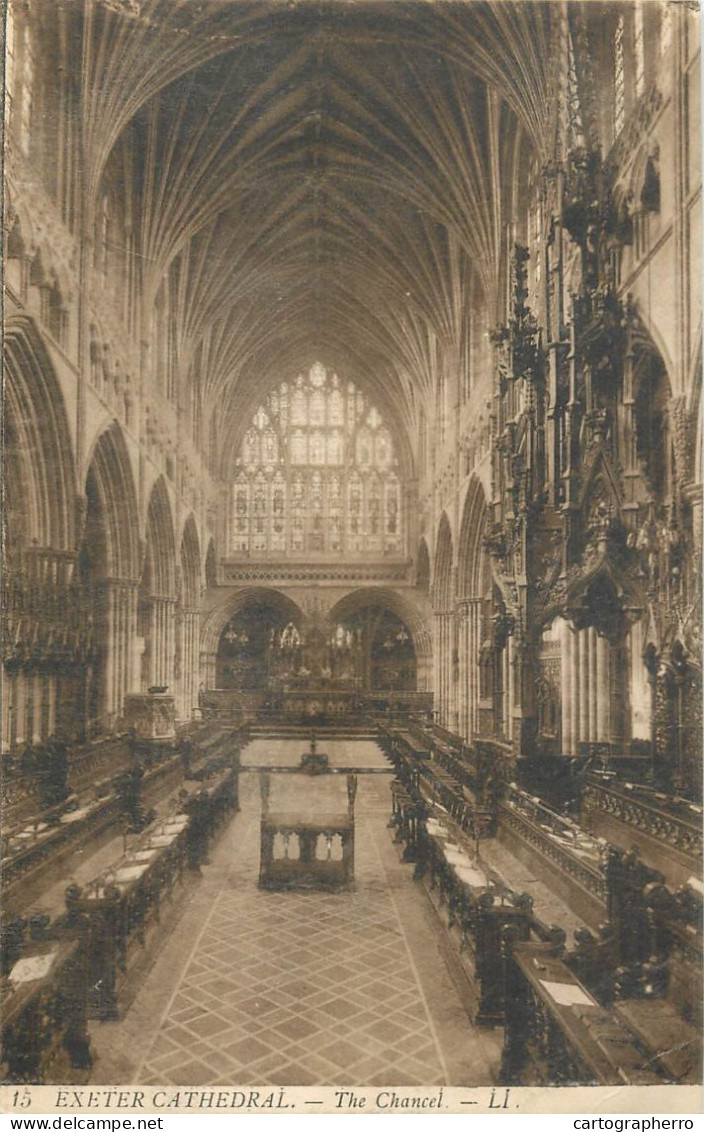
x=673, y=1045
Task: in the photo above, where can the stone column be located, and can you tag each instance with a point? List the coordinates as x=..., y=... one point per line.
x=593, y=686
x=133, y=659
x=161, y=633
x=438, y=665
x=120, y=605
x=603, y=704
x=189, y=664
x=565, y=676
x=108, y=704
x=7, y=708
x=583, y=639
x=37, y=696
x=462, y=667
x=443, y=666
x=513, y=690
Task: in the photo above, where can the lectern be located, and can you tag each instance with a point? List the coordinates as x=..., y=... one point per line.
x=307, y=844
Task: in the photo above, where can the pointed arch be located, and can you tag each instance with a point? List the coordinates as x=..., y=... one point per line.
x=108, y=566
x=211, y=565
x=189, y=559
x=40, y=484
x=444, y=560
x=232, y=603
x=472, y=559
x=112, y=505
x=157, y=595
x=161, y=543
x=423, y=567
x=474, y=592
x=396, y=603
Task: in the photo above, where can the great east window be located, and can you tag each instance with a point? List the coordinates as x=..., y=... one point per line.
x=317, y=474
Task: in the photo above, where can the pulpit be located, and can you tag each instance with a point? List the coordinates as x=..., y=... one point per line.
x=307, y=832
x=151, y=716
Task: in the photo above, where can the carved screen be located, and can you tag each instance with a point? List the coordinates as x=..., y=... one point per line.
x=317, y=474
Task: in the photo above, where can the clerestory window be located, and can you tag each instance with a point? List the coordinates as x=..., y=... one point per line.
x=619, y=78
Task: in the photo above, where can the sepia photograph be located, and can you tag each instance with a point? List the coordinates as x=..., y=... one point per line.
x=352, y=557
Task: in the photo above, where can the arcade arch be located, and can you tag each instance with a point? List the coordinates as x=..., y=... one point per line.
x=40, y=589
x=108, y=569
x=186, y=660
x=157, y=594
x=379, y=614
x=442, y=596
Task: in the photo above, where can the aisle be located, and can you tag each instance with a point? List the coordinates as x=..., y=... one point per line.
x=301, y=988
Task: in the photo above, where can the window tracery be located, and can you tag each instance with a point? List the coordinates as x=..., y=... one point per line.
x=317, y=474
x=20, y=75
x=665, y=28
x=619, y=77
x=639, y=44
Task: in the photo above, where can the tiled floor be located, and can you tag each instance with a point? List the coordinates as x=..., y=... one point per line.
x=302, y=988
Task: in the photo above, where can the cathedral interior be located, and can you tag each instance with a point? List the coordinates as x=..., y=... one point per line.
x=352, y=685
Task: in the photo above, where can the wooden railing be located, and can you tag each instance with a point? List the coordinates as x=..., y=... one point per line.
x=641, y=961
x=43, y=997
x=122, y=906
x=477, y=911
x=676, y=823
x=427, y=781
x=556, y=1033
x=398, y=703
x=576, y=855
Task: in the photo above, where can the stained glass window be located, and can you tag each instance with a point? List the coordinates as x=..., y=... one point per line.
x=317, y=474
x=639, y=48
x=573, y=100
x=619, y=78
x=665, y=27
x=10, y=58
x=27, y=105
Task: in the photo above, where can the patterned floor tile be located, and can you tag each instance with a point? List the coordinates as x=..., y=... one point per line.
x=247, y=1050
x=297, y=1028
x=191, y=1073
x=301, y=988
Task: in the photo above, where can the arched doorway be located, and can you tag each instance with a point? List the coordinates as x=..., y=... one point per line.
x=253, y=646
x=381, y=637
x=373, y=646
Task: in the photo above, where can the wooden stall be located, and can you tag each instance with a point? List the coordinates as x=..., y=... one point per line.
x=475, y=911
x=667, y=832
x=43, y=1000
x=556, y=1033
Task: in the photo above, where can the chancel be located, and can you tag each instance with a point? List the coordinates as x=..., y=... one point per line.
x=352, y=689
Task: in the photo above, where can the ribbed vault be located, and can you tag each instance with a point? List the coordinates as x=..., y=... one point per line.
x=319, y=180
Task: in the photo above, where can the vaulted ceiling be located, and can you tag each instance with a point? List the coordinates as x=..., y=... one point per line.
x=323, y=179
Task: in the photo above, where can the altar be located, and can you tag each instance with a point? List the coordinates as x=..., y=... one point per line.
x=313, y=703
